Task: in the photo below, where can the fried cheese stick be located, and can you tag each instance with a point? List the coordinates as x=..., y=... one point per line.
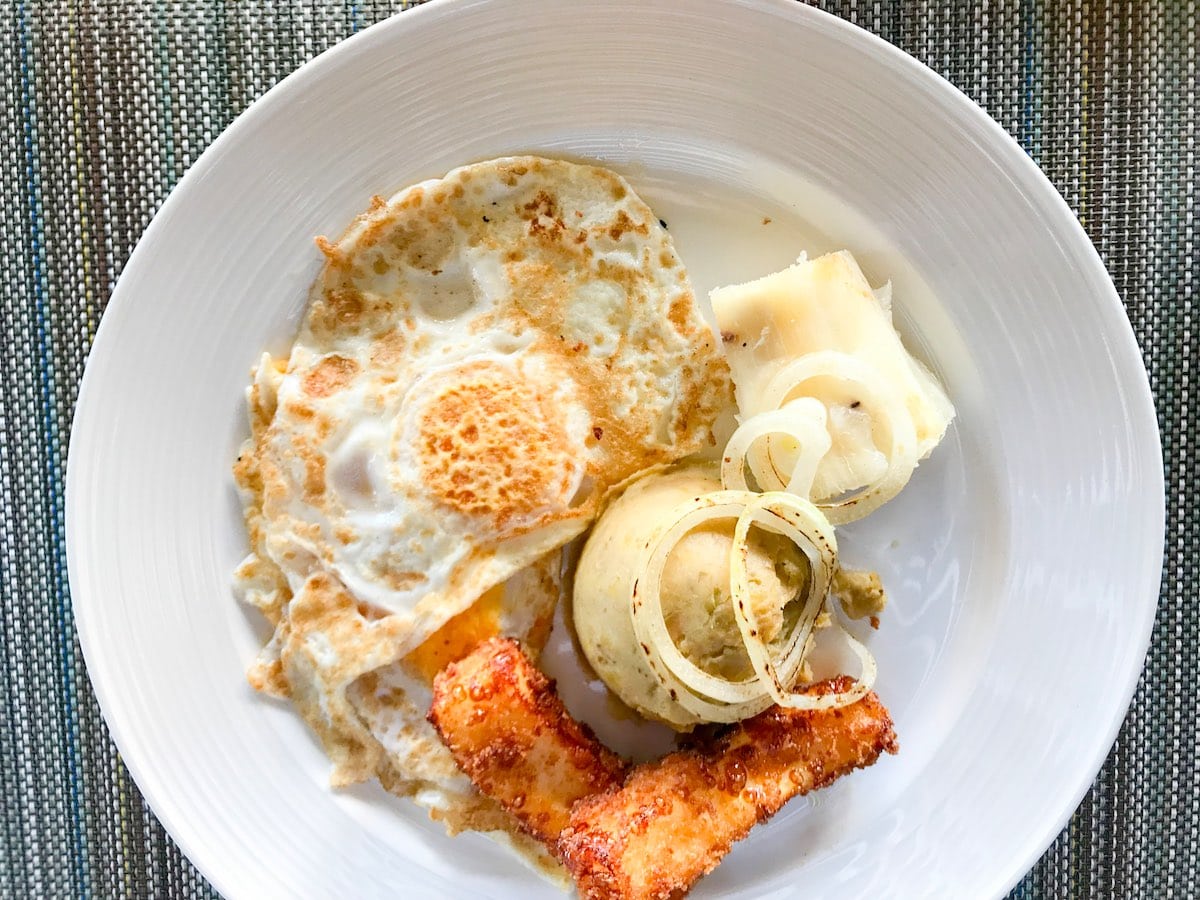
x=507, y=729
x=674, y=819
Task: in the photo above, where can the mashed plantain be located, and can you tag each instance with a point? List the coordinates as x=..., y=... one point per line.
x=694, y=590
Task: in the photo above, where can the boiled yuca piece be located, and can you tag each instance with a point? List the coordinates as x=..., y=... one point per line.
x=814, y=341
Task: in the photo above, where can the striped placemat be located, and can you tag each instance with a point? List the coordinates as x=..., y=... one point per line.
x=107, y=103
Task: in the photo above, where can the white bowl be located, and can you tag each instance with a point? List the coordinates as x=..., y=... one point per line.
x=1023, y=561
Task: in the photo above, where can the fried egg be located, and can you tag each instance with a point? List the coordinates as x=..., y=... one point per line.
x=483, y=357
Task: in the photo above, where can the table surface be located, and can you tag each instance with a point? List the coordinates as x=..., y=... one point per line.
x=108, y=103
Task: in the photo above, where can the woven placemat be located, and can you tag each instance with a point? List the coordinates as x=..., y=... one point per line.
x=106, y=105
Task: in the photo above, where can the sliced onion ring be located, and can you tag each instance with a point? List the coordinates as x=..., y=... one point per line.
x=733, y=701
x=701, y=693
x=881, y=402
x=786, y=514
x=805, y=421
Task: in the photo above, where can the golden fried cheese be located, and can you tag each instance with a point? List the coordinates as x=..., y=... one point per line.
x=512, y=735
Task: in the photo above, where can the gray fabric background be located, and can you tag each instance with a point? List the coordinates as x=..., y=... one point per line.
x=107, y=103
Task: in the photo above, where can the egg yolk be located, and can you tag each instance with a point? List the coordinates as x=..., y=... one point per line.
x=459, y=636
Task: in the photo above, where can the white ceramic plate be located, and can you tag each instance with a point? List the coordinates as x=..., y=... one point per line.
x=1023, y=561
